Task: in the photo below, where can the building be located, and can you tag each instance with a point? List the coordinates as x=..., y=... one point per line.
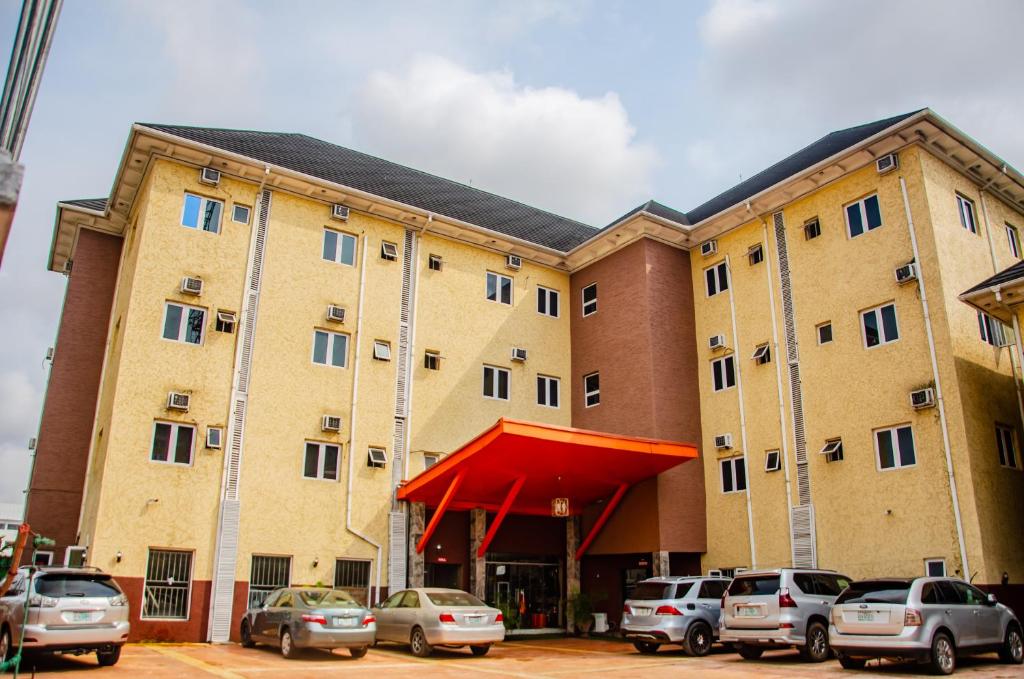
x=10, y=521
x=269, y=342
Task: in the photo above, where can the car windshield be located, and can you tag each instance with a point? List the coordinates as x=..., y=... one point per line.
x=754, y=585
x=453, y=599
x=652, y=591
x=327, y=598
x=876, y=592
x=77, y=584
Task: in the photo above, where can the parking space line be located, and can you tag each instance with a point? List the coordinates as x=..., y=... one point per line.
x=640, y=666
x=519, y=644
x=462, y=664
x=195, y=662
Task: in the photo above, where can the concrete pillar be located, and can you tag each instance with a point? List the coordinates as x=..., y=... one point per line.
x=660, y=564
x=477, y=565
x=572, y=568
x=417, y=522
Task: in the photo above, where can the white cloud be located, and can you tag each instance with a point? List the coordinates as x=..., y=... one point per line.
x=732, y=20
x=548, y=146
x=19, y=404
x=15, y=462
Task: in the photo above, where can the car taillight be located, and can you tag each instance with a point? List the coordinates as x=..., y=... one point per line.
x=667, y=610
x=785, y=600
x=912, y=618
x=499, y=618
x=627, y=610
x=368, y=619
x=41, y=601
x=447, y=618
x=311, y=617
x=786, y=625
x=119, y=600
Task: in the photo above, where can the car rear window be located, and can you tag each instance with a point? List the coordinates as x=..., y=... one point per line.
x=323, y=598
x=653, y=591
x=77, y=585
x=453, y=599
x=876, y=592
x=754, y=585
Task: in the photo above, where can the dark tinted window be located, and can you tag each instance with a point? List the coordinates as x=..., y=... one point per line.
x=711, y=589
x=651, y=591
x=77, y=585
x=876, y=592
x=947, y=593
x=453, y=599
x=830, y=585
x=755, y=585
x=972, y=596
x=805, y=581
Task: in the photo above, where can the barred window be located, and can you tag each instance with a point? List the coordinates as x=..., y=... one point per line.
x=353, y=576
x=168, y=584
x=268, y=573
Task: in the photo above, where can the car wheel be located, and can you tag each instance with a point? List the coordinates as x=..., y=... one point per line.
x=848, y=663
x=288, y=649
x=6, y=649
x=943, y=656
x=817, y=649
x=1013, y=647
x=109, y=658
x=247, y=641
x=748, y=652
x=698, y=639
x=357, y=651
x=646, y=647
x=418, y=644
x=480, y=650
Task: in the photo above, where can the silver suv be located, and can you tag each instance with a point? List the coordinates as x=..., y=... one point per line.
x=674, y=610
x=784, y=607
x=932, y=620
x=70, y=610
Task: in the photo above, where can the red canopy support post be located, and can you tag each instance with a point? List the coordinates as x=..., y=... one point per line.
x=435, y=520
x=502, y=511
x=601, y=520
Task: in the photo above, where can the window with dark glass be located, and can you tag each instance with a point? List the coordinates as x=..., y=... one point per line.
x=173, y=443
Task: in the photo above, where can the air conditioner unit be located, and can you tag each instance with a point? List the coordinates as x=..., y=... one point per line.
x=514, y=262
x=339, y=212
x=887, y=163
x=191, y=286
x=714, y=573
x=906, y=273
x=209, y=176
x=723, y=441
x=518, y=354
x=716, y=342
x=922, y=398
x=330, y=423
x=32, y=444
x=335, y=313
x=178, y=401
x=709, y=247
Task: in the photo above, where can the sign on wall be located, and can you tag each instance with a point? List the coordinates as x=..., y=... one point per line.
x=560, y=506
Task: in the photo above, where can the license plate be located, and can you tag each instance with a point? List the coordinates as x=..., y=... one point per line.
x=642, y=611
x=475, y=619
x=747, y=611
x=865, y=616
x=81, y=616
x=345, y=622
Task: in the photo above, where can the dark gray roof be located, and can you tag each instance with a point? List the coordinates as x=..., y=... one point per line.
x=96, y=204
x=657, y=209
x=1012, y=273
x=357, y=170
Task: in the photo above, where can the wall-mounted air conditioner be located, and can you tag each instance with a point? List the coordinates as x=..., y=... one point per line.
x=922, y=398
x=518, y=354
x=330, y=423
x=887, y=163
x=209, y=176
x=906, y=273
x=709, y=247
x=716, y=342
x=336, y=313
x=723, y=441
x=177, y=400
x=514, y=262
x=339, y=212
x=191, y=286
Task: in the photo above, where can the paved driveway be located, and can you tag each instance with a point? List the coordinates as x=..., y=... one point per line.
x=537, y=658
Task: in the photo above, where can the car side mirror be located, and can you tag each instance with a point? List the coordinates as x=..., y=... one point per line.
x=991, y=600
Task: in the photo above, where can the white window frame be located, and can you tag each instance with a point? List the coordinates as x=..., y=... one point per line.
x=929, y=562
x=203, y=201
x=897, y=464
x=862, y=206
x=321, y=459
x=388, y=251
x=768, y=456
x=172, y=443
x=226, y=318
x=435, y=262
x=587, y=392
x=47, y=553
x=1013, y=237
x=965, y=208
x=432, y=357
x=75, y=548
x=882, y=339
x=813, y=224
x=833, y=450
x=731, y=462
x=991, y=330
x=731, y=358
x=546, y=294
x=188, y=595
x=498, y=277
x=548, y=380
x=762, y=354
x=267, y=589
x=381, y=350
x=588, y=307
x=332, y=337
x=429, y=460
x=376, y=463
x=234, y=213
x=338, y=249
x=720, y=269
x=1006, y=434
x=183, y=323
x=495, y=383
x=220, y=438
x=831, y=332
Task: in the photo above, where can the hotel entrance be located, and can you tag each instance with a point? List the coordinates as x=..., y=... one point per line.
x=528, y=590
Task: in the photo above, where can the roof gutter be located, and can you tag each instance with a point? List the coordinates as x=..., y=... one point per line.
x=683, y=228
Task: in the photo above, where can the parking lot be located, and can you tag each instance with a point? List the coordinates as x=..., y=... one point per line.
x=534, y=658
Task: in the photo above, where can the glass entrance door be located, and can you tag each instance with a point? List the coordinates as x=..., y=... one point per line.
x=529, y=593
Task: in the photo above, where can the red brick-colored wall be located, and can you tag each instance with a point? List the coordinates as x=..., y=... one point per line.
x=62, y=451
x=193, y=629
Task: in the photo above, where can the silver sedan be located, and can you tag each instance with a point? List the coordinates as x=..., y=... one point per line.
x=428, y=617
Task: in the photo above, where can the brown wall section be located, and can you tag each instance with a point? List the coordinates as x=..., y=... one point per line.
x=62, y=452
x=193, y=629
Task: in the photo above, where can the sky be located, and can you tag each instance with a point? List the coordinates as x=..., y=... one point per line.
x=585, y=108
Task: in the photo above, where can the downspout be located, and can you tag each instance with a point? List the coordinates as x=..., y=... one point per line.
x=352, y=424
x=938, y=383
x=743, y=419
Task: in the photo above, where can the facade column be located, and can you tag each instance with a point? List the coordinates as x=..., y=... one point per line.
x=660, y=564
x=477, y=565
x=572, y=568
x=417, y=521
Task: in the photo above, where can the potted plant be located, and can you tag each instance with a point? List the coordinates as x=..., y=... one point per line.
x=582, y=608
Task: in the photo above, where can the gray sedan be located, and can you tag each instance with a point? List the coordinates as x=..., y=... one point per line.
x=428, y=617
x=310, y=617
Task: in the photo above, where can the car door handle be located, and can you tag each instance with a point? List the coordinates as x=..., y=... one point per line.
x=948, y=612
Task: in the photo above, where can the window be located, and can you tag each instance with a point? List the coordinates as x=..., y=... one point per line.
x=812, y=228
x=591, y=389
x=547, y=301
x=1006, y=446
x=226, y=321
x=991, y=330
x=1013, y=237
x=864, y=215
x=590, y=299
x=330, y=348
x=499, y=288
x=240, y=214
x=825, y=333
x=172, y=443
x=833, y=450
x=353, y=576
x=734, y=474
x=723, y=373
x=339, y=247
x=879, y=325
x=762, y=354
x=434, y=262
x=201, y=213
x=717, y=279
x=268, y=573
x=712, y=589
x=43, y=558
x=895, y=447
x=547, y=391
x=376, y=458
x=429, y=461
x=74, y=557
x=496, y=383
x=772, y=461
x=214, y=437
x=388, y=251
x=184, y=323
x=755, y=254
x=935, y=568
x=965, y=207
x=168, y=584
x=381, y=350
x=321, y=461
x=432, y=360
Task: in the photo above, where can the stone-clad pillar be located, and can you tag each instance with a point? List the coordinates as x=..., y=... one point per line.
x=477, y=565
x=572, y=568
x=417, y=521
x=660, y=564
